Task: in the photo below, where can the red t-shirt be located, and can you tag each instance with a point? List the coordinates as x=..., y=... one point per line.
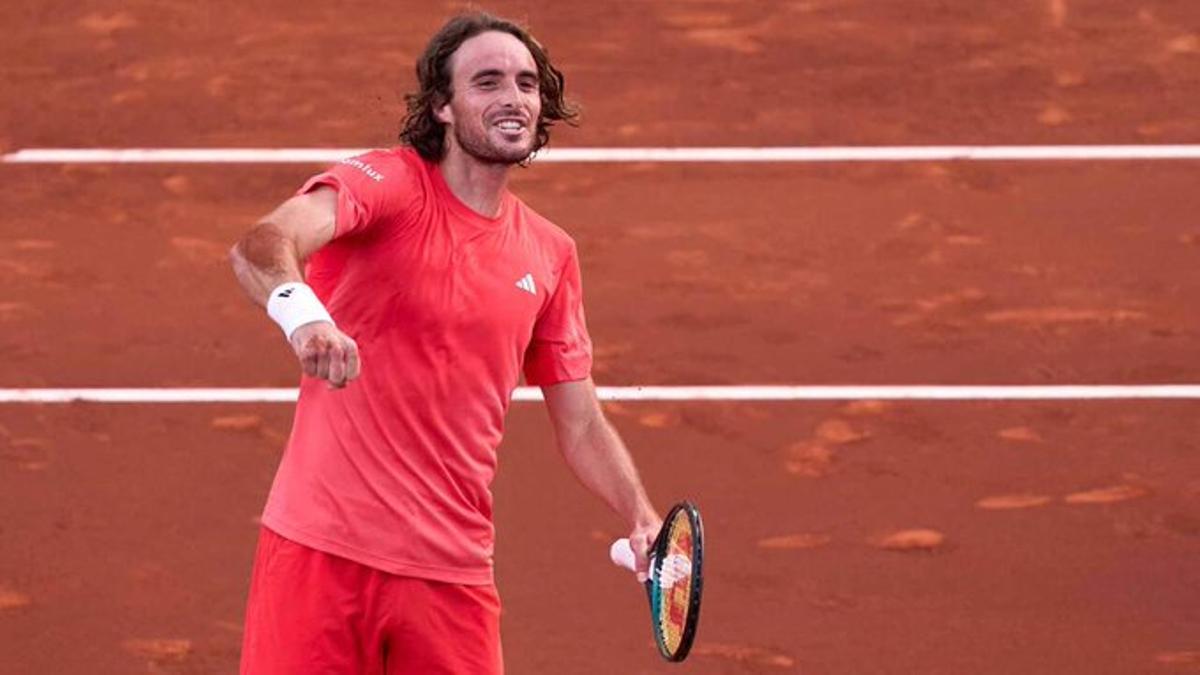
x=447, y=306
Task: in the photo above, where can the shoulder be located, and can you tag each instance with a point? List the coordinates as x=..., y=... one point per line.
x=545, y=232
x=387, y=167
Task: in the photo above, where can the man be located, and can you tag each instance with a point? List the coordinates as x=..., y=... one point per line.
x=432, y=289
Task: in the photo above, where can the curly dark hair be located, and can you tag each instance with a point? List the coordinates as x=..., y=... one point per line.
x=421, y=128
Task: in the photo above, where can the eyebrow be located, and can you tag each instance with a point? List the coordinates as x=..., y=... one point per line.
x=496, y=72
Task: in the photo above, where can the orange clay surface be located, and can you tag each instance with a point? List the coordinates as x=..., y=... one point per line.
x=858, y=538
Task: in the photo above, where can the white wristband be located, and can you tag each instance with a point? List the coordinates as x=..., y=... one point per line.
x=294, y=304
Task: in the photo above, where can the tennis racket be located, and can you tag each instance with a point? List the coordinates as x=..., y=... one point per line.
x=675, y=579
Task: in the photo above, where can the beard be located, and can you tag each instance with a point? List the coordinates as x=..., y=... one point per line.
x=480, y=146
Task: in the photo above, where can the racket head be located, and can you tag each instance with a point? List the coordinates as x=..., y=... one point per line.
x=676, y=581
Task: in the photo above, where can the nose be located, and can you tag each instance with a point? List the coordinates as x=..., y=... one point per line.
x=510, y=94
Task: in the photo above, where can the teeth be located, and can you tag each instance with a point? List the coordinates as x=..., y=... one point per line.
x=511, y=126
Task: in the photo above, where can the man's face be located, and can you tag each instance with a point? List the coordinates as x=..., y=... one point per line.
x=495, y=101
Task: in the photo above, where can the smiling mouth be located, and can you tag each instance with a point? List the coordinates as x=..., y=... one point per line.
x=510, y=126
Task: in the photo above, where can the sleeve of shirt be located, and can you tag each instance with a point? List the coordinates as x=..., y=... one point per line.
x=560, y=349
x=372, y=188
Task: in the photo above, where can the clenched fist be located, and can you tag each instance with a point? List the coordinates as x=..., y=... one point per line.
x=327, y=353
x=641, y=540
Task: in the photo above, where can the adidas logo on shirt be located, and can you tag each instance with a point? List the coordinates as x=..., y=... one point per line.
x=526, y=284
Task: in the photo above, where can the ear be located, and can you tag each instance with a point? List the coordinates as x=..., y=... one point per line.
x=443, y=113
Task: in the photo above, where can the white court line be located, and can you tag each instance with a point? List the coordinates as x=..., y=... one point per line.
x=730, y=154
x=680, y=393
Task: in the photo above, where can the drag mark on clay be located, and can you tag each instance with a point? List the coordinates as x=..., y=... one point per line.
x=1020, y=435
x=1058, y=13
x=237, y=423
x=659, y=420
x=795, y=541
x=107, y=24
x=36, y=271
x=1059, y=315
x=228, y=625
x=909, y=541
x=1012, y=502
x=14, y=311
x=10, y=599
x=744, y=654
x=1107, y=495
x=34, y=244
x=1184, y=44
x=965, y=296
x=716, y=29
x=1178, y=658
x=249, y=424
x=158, y=649
x=965, y=240
x=959, y=301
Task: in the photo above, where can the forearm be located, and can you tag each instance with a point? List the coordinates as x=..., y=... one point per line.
x=601, y=461
x=264, y=259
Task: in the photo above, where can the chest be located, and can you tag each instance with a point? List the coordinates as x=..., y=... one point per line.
x=477, y=284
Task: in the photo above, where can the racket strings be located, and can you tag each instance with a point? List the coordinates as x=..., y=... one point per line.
x=673, y=579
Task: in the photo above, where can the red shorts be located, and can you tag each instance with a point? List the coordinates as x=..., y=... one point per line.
x=312, y=612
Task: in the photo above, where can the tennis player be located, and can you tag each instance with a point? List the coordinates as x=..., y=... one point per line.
x=428, y=288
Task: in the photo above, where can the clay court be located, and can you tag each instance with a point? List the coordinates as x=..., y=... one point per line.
x=845, y=538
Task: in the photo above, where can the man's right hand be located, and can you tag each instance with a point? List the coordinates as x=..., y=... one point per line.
x=326, y=352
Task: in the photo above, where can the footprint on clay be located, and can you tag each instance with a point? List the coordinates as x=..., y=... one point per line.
x=1054, y=115
x=199, y=251
x=177, y=184
x=840, y=432
x=809, y=460
x=29, y=454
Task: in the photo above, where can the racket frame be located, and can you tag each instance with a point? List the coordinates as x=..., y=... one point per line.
x=659, y=554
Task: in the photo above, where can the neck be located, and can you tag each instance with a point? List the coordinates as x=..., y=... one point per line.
x=478, y=185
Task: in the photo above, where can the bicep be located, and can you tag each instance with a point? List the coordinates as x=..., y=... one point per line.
x=306, y=220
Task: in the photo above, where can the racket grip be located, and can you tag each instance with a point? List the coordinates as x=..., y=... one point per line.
x=621, y=554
